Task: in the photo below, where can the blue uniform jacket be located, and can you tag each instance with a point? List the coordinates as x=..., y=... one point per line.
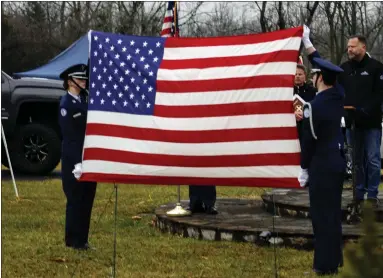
x=322, y=138
x=72, y=120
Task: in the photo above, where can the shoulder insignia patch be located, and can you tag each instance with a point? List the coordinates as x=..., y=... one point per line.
x=63, y=112
x=381, y=77
x=306, y=112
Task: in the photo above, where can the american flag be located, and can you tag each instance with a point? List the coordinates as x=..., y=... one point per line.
x=170, y=25
x=193, y=110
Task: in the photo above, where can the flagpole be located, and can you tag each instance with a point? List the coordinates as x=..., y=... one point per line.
x=178, y=210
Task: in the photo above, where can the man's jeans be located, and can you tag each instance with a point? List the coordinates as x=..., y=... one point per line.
x=368, y=161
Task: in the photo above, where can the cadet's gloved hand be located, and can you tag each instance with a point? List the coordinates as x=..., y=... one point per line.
x=306, y=37
x=77, y=171
x=303, y=177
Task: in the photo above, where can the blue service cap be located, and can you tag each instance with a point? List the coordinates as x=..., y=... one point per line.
x=325, y=65
x=76, y=71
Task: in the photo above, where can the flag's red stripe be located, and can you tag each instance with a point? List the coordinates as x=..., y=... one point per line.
x=221, y=110
x=201, y=63
x=168, y=19
x=192, y=161
x=235, y=40
x=239, y=83
x=166, y=31
x=186, y=136
x=150, y=180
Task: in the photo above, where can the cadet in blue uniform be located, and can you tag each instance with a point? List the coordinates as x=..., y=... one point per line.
x=72, y=120
x=202, y=199
x=323, y=165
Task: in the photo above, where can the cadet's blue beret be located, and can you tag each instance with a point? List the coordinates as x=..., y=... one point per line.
x=324, y=65
x=77, y=71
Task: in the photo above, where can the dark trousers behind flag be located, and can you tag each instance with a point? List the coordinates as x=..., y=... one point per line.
x=202, y=197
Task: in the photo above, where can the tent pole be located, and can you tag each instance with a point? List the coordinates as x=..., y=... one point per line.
x=9, y=161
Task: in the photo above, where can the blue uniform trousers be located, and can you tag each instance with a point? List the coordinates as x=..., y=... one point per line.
x=325, y=209
x=80, y=196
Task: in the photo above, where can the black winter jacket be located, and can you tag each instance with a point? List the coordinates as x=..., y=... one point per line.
x=363, y=85
x=307, y=92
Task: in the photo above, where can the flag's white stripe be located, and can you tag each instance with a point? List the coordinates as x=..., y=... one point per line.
x=197, y=52
x=223, y=97
x=274, y=68
x=207, y=123
x=106, y=167
x=169, y=13
x=167, y=25
x=192, y=149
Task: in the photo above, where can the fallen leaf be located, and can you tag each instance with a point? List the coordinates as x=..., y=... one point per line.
x=58, y=260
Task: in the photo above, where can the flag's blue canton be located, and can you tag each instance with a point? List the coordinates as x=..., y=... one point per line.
x=123, y=72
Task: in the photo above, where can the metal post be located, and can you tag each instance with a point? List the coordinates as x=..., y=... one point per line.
x=115, y=234
x=9, y=162
x=178, y=210
x=354, y=207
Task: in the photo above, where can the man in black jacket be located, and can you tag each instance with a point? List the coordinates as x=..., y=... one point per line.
x=362, y=80
x=306, y=91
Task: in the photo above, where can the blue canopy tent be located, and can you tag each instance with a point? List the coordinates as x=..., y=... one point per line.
x=77, y=53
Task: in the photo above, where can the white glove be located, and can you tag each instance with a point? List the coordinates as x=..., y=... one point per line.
x=303, y=177
x=77, y=171
x=306, y=37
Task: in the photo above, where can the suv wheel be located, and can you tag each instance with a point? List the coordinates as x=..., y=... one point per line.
x=36, y=149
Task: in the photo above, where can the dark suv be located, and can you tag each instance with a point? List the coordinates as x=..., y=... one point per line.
x=29, y=115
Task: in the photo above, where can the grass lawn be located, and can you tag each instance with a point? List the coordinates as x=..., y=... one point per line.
x=33, y=231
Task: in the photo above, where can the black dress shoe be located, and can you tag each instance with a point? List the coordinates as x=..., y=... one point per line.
x=211, y=210
x=84, y=247
x=196, y=209
x=324, y=273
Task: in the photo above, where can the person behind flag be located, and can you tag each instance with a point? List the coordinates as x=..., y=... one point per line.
x=306, y=91
x=323, y=163
x=72, y=121
x=201, y=197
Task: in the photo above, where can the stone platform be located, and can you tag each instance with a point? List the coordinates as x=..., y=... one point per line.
x=296, y=203
x=252, y=220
